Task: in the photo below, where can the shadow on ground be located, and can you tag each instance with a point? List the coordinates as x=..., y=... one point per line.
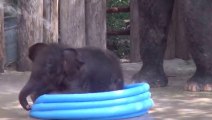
x=171, y=103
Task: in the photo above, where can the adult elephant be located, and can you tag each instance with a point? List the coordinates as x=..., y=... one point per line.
x=155, y=16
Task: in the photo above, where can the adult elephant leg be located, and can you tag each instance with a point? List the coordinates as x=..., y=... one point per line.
x=155, y=16
x=198, y=25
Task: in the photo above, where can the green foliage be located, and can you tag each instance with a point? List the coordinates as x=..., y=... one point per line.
x=115, y=3
x=119, y=45
x=115, y=21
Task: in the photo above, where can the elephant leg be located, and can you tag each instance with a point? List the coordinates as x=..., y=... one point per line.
x=155, y=17
x=198, y=25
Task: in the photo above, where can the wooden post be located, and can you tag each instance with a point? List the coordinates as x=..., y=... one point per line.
x=72, y=23
x=95, y=21
x=30, y=29
x=134, y=32
x=2, y=55
x=50, y=26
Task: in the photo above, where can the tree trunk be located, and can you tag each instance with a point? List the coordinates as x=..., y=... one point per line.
x=134, y=32
x=50, y=13
x=30, y=29
x=95, y=21
x=1, y=38
x=72, y=23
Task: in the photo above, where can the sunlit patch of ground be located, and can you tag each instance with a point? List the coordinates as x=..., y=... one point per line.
x=173, y=103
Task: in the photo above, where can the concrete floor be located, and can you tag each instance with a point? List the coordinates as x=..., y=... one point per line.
x=171, y=103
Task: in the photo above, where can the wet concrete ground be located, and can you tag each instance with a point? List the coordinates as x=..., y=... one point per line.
x=171, y=103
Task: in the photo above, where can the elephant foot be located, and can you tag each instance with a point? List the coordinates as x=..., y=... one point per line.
x=198, y=83
x=152, y=77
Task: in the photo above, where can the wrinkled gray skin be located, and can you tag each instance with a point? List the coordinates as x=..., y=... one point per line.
x=57, y=69
x=155, y=16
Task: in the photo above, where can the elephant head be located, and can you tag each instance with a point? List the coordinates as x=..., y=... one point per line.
x=50, y=65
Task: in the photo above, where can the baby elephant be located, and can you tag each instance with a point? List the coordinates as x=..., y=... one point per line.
x=59, y=69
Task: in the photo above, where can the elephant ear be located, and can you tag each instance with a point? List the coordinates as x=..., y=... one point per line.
x=71, y=64
x=35, y=49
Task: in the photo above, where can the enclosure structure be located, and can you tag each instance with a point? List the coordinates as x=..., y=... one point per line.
x=78, y=24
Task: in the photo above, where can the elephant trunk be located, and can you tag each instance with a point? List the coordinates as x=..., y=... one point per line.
x=25, y=92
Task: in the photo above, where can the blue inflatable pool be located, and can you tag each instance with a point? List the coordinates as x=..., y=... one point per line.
x=134, y=100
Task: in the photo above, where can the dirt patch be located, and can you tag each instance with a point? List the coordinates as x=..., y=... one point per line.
x=171, y=103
